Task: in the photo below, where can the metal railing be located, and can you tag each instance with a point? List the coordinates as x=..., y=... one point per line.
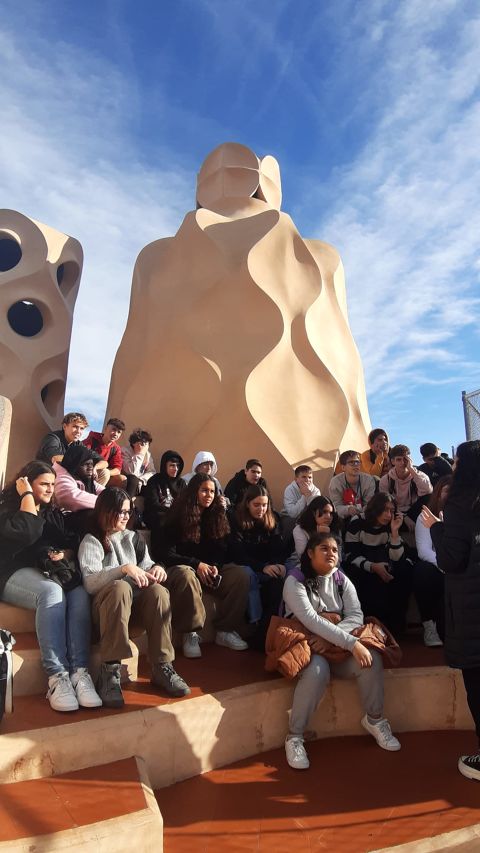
x=471, y=413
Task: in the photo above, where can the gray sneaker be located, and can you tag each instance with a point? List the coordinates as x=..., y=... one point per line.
x=108, y=685
x=164, y=676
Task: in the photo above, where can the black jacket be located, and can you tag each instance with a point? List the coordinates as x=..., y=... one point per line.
x=24, y=537
x=161, y=490
x=238, y=485
x=457, y=544
x=254, y=547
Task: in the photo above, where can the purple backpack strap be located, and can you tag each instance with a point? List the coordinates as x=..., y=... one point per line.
x=339, y=579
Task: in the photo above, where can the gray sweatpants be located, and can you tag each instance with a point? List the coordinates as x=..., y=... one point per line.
x=313, y=682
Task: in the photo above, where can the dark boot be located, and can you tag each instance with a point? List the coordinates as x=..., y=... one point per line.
x=164, y=676
x=108, y=685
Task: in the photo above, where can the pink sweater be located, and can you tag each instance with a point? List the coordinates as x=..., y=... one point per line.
x=70, y=493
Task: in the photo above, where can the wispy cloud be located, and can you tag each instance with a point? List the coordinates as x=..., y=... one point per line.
x=406, y=216
x=67, y=159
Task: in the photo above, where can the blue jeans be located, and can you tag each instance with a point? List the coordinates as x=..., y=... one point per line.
x=62, y=619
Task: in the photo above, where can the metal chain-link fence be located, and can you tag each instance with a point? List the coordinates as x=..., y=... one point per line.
x=471, y=412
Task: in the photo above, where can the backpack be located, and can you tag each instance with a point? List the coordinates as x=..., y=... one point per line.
x=6, y=672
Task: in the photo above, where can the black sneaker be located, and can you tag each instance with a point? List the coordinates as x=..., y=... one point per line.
x=164, y=676
x=469, y=766
x=108, y=685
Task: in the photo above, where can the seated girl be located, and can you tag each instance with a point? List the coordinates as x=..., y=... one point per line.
x=194, y=552
x=32, y=533
x=123, y=580
x=428, y=579
x=256, y=545
x=321, y=592
x=318, y=517
x=376, y=563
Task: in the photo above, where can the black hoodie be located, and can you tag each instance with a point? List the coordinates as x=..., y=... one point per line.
x=161, y=490
x=238, y=485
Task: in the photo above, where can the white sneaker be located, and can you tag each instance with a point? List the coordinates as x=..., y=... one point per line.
x=382, y=733
x=87, y=696
x=296, y=753
x=430, y=634
x=231, y=640
x=61, y=694
x=191, y=645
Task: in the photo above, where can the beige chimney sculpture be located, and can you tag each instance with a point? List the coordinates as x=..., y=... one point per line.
x=237, y=340
x=40, y=271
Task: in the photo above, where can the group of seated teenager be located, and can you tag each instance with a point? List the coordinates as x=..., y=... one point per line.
x=69, y=551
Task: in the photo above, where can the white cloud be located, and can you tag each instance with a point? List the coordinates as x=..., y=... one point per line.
x=406, y=216
x=67, y=160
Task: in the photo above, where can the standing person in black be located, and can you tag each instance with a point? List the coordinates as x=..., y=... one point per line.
x=257, y=546
x=159, y=495
x=456, y=538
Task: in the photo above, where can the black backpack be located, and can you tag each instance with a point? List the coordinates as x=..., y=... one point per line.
x=6, y=672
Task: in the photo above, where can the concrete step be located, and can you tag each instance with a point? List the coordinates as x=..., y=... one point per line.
x=29, y=675
x=235, y=710
x=105, y=808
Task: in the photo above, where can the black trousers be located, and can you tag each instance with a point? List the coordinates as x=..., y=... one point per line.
x=471, y=679
x=429, y=591
x=387, y=601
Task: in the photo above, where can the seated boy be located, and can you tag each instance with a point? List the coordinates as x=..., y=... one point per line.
x=375, y=461
x=137, y=461
x=351, y=490
x=251, y=475
x=300, y=492
x=406, y=484
x=434, y=465
x=106, y=445
x=54, y=444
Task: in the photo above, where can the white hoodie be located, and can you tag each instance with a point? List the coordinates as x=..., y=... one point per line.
x=204, y=456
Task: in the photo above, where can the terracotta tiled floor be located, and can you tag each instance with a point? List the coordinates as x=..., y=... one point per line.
x=41, y=806
x=354, y=798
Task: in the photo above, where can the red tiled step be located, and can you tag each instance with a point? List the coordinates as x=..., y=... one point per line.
x=354, y=798
x=41, y=808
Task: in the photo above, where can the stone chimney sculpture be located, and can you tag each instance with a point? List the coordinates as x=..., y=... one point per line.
x=237, y=339
x=40, y=271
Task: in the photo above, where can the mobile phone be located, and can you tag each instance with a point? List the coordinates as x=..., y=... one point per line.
x=216, y=581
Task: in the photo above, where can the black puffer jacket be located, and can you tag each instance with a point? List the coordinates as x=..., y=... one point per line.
x=457, y=544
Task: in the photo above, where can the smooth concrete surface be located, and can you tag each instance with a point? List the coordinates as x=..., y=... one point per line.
x=42, y=280
x=265, y=334
x=5, y=421
x=190, y=736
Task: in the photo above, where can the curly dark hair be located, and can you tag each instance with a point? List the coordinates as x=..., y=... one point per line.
x=105, y=513
x=376, y=505
x=242, y=512
x=305, y=561
x=189, y=520
x=307, y=519
x=139, y=434
x=9, y=497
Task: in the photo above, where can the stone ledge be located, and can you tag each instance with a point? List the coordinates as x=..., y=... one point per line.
x=190, y=736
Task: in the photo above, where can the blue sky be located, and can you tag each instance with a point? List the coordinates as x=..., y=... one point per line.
x=371, y=108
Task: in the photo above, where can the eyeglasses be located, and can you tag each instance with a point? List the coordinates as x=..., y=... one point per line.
x=353, y=461
x=125, y=513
